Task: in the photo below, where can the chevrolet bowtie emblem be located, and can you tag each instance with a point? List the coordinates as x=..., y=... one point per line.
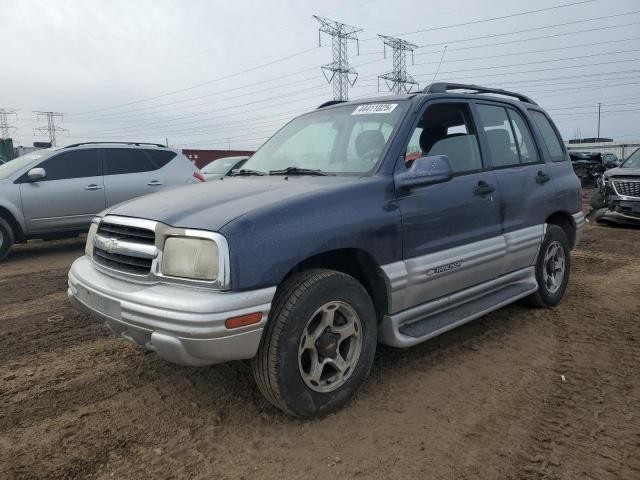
x=111, y=245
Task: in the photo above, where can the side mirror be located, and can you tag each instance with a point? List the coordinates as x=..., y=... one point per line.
x=610, y=164
x=425, y=171
x=36, y=174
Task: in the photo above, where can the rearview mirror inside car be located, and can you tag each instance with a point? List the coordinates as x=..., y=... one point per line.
x=425, y=171
x=36, y=174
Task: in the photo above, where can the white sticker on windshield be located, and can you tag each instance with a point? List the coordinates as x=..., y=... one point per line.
x=374, y=108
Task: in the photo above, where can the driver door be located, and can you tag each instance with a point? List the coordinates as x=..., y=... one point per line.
x=451, y=231
x=68, y=197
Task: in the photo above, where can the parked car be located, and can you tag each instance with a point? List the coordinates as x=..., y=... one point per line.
x=55, y=192
x=589, y=166
x=218, y=169
x=618, y=195
x=331, y=239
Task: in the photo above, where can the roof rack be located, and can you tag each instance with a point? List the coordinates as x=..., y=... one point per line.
x=443, y=87
x=137, y=144
x=329, y=103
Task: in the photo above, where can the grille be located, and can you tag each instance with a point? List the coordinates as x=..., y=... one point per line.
x=138, y=263
x=627, y=188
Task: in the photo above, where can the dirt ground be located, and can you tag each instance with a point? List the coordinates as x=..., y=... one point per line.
x=518, y=394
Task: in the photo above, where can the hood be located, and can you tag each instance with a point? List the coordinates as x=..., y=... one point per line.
x=623, y=172
x=211, y=205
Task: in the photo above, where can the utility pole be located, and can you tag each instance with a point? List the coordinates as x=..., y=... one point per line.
x=51, y=129
x=599, y=105
x=339, y=71
x=398, y=81
x=5, y=128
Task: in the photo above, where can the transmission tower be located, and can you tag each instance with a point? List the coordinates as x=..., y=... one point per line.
x=339, y=71
x=5, y=128
x=398, y=81
x=51, y=129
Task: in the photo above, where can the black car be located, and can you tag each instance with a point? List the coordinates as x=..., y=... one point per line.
x=618, y=196
x=590, y=166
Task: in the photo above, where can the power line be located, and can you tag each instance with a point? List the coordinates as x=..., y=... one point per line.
x=398, y=81
x=339, y=72
x=51, y=129
x=198, y=85
x=494, y=35
x=5, y=128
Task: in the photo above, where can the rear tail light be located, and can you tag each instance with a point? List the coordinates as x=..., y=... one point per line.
x=199, y=176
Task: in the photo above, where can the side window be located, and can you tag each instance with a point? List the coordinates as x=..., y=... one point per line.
x=524, y=140
x=549, y=135
x=74, y=164
x=160, y=157
x=446, y=129
x=126, y=160
x=499, y=134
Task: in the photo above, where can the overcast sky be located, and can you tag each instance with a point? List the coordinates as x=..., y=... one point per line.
x=196, y=72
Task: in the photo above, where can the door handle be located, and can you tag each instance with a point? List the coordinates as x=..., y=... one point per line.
x=154, y=183
x=483, y=188
x=93, y=186
x=542, y=177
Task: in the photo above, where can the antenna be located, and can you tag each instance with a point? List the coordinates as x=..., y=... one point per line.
x=398, y=81
x=5, y=128
x=51, y=129
x=339, y=71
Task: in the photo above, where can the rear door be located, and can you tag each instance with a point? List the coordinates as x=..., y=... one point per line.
x=524, y=179
x=451, y=231
x=129, y=173
x=69, y=196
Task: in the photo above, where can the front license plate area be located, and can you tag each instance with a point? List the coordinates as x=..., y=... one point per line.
x=100, y=303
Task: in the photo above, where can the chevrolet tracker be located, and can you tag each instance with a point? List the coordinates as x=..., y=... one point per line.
x=388, y=220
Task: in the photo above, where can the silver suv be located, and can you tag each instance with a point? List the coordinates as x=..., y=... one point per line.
x=54, y=193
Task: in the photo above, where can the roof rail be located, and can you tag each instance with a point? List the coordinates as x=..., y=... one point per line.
x=330, y=102
x=137, y=144
x=443, y=87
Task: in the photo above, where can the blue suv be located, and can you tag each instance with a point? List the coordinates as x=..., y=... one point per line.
x=386, y=220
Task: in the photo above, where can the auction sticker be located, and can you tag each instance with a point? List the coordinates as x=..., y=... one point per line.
x=374, y=108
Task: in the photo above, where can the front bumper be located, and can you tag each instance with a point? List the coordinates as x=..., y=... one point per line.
x=182, y=324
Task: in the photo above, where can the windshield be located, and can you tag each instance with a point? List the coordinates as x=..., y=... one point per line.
x=222, y=165
x=348, y=139
x=633, y=161
x=9, y=168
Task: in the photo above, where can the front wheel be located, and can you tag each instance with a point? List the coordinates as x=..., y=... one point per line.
x=319, y=344
x=552, y=269
x=6, y=238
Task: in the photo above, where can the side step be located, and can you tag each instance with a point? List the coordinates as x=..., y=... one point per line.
x=445, y=320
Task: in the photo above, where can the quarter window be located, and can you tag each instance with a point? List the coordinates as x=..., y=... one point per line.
x=126, y=160
x=160, y=157
x=549, y=135
x=75, y=164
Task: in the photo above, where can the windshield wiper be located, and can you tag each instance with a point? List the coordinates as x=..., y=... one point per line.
x=246, y=171
x=298, y=171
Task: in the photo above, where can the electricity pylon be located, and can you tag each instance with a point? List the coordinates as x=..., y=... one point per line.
x=51, y=129
x=398, y=81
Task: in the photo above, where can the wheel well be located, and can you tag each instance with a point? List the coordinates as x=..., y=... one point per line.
x=564, y=221
x=15, y=226
x=358, y=264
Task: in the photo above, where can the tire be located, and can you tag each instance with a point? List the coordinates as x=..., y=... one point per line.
x=283, y=367
x=547, y=295
x=6, y=238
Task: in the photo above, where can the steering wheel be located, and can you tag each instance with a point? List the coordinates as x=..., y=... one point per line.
x=371, y=156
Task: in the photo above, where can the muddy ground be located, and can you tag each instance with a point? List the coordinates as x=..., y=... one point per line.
x=518, y=394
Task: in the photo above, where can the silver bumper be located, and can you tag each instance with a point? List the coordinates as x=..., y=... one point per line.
x=183, y=325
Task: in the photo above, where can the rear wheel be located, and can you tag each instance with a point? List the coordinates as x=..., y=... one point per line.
x=6, y=238
x=552, y=269
x=318, y=347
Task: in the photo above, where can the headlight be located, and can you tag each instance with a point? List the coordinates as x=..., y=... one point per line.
x=88, y=249
x=195, y=258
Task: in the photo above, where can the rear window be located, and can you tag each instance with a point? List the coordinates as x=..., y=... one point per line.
x=126, y=160
x=549, y=135
x=160, y=157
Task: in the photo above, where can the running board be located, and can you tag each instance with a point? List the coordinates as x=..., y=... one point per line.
x=426, y=321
